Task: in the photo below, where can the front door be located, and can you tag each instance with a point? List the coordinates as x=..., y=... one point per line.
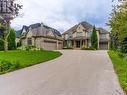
x=77, y=44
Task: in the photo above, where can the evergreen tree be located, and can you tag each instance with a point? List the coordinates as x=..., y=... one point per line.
x=94, y=39
x=118, y=24
x=12, y=40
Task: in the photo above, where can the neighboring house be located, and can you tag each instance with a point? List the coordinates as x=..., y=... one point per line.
x=80, y=35
x=41, y=36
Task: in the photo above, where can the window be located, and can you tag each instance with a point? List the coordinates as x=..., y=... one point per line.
x=103, y=36
x=89, y=34
x=29, y=41
x=79, y=34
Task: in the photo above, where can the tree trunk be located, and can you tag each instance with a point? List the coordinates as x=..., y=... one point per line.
x=6, y=34
x=5, y=44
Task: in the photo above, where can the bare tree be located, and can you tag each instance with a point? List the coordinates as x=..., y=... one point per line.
x=8, y=11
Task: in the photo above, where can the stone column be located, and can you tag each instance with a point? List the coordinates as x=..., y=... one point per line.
x=74, y=46
x=81, y=43
x=86, y=42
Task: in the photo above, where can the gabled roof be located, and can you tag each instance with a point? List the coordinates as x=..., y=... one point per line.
x=71, y=30
x=35, y=25
x=56, y=32
x=25, y=27
x=42, y=30
x=85, y=24
x=18, y=33
x=103, y=31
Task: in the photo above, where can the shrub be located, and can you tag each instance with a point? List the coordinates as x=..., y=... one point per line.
x=6, y=66
x=87, y=48
x=28, y=48
x=84, y=46
x=67, y=47
x=21, y=48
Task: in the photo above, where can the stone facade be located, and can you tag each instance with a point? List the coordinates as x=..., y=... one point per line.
x=79, y=36
x=76, y=37
x=41, y=36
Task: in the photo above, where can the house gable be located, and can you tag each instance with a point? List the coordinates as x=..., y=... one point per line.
x=80, y=28
x=80, y=31
x=50, y=34
x=24, y=31
x=29, y=34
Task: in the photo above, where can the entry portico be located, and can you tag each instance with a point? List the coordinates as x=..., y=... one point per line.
x=77, y=42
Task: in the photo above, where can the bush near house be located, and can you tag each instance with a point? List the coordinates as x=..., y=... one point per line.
x=28, y=48
x=87, y=48
x=119, y=61
x=13, y=60
x=67, y=47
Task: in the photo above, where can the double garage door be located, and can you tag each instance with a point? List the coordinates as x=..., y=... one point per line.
x=52, y=45
x=103, y=46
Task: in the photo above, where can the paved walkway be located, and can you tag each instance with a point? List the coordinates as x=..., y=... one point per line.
x=76, y=72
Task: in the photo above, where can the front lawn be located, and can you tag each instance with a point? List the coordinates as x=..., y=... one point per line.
x=25, y=58
x=120, y=65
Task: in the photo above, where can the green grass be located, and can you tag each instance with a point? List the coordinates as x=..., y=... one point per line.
x=120, y=65
x=30, y=58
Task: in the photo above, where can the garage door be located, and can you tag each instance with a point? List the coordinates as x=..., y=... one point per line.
x=60, y=46
x=103, y=46
x=50, y=45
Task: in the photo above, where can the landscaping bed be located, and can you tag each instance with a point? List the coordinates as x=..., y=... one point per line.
x=13, y=60
x=120, y=65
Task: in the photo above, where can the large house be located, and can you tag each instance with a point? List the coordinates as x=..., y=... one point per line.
x=80, y=34
x=41, y=36
x=48, y=38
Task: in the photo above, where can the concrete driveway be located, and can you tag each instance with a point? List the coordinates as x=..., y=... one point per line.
x=76, y=72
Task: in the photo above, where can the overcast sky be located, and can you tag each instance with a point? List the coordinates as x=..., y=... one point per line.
x=63, y=14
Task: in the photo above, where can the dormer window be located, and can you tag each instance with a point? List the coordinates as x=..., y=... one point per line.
x=103, y=36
